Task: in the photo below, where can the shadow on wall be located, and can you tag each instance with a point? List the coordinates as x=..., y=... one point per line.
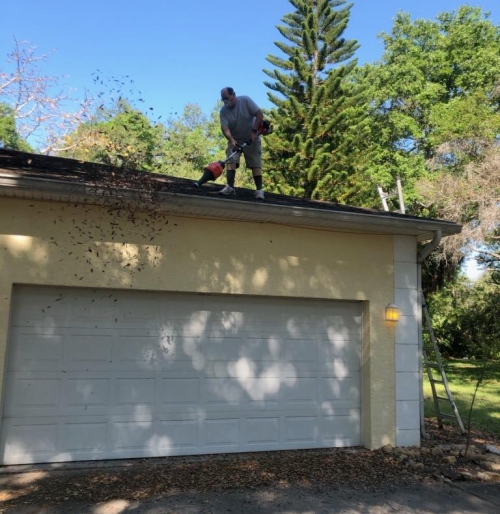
x=89, y=246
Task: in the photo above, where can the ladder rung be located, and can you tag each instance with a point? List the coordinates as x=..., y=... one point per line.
x=433, y=365
x=444, y=398
x=448, y=416
x=438, y=381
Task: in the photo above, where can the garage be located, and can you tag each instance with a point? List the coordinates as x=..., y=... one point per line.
x=107, y=374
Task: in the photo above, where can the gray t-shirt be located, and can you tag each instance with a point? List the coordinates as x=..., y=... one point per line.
x=240, y=119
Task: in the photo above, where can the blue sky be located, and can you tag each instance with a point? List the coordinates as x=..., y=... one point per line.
x=180, y=52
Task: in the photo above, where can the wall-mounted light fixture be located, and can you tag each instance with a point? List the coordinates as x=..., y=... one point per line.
x=392, y=312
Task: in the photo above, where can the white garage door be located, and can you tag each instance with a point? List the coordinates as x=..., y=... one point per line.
x=105, y=374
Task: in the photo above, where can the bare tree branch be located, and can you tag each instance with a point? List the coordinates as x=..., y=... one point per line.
x=472, y=199
x=44, y=113
x=492, y=254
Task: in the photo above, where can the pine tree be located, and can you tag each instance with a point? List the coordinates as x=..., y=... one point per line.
x=309, y=93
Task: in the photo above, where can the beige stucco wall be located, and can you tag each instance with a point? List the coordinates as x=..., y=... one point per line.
x=89, y=246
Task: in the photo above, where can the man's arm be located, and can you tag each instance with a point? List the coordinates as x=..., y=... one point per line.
x=259, y=117
x=228, y=136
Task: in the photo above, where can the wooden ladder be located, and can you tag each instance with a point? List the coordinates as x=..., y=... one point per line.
x=437, y=376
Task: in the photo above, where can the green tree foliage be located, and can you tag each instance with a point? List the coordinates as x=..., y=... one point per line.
x=9, y=138
x=434, y=119
x=124, y=136
x=434, y=101
x=121, y=136
x=465, y=318
x=306, y=155
x=192, y=141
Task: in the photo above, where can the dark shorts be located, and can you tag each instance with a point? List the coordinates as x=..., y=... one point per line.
x=252, y=153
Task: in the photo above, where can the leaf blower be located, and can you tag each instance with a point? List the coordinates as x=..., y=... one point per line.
x=214, y=170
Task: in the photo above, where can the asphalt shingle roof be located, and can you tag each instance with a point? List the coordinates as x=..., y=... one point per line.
x=22, y=164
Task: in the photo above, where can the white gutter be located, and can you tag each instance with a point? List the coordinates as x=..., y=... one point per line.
x=430, y=247
x=422, y=255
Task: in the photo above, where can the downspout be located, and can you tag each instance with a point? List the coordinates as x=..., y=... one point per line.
x=422, y=255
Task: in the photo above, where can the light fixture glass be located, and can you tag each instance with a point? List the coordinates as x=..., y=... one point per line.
x=392, y=312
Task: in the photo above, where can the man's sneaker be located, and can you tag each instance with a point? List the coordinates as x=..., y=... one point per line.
x=227, y=191
x=195, y=184
x=259, y=194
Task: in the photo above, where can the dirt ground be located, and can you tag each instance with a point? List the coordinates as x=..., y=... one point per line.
x=286, y=481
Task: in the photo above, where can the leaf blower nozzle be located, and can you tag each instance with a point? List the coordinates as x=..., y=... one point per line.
x=214, y=170
x=211, y=172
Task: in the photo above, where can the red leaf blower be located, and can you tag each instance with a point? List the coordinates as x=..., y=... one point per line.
x=214, y=170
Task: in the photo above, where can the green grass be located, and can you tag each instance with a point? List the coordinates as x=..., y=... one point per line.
x=462, y=378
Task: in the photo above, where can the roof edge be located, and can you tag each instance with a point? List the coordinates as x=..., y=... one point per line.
x=227, y=209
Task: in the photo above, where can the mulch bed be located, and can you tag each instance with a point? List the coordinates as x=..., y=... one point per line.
x=139, y=479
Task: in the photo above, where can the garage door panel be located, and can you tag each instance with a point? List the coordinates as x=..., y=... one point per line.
x=132, y=434
x=134, y=391
x=263, y=392
x=153, y=350
x=251, y=392
x=261, y=430
x=146, y=352
x=82, y=394
x=340, y=367
x=301, y=428
x=175, y=434
x=85, y=436
x=95, y=306
x=221, y=433
x=29, y=440
x=118, y=374
x=265, y=348
x=32, y=394
x=141, y=308
x=300, y=391
x=41, y=308
x=37, y=393
x=179, y=391
x=300, y=351
x=226, y=349
x=226, y=392
x=341, y=430
x=334, y=389
x=84, y=350
x=40, y=351
x=339, y=349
